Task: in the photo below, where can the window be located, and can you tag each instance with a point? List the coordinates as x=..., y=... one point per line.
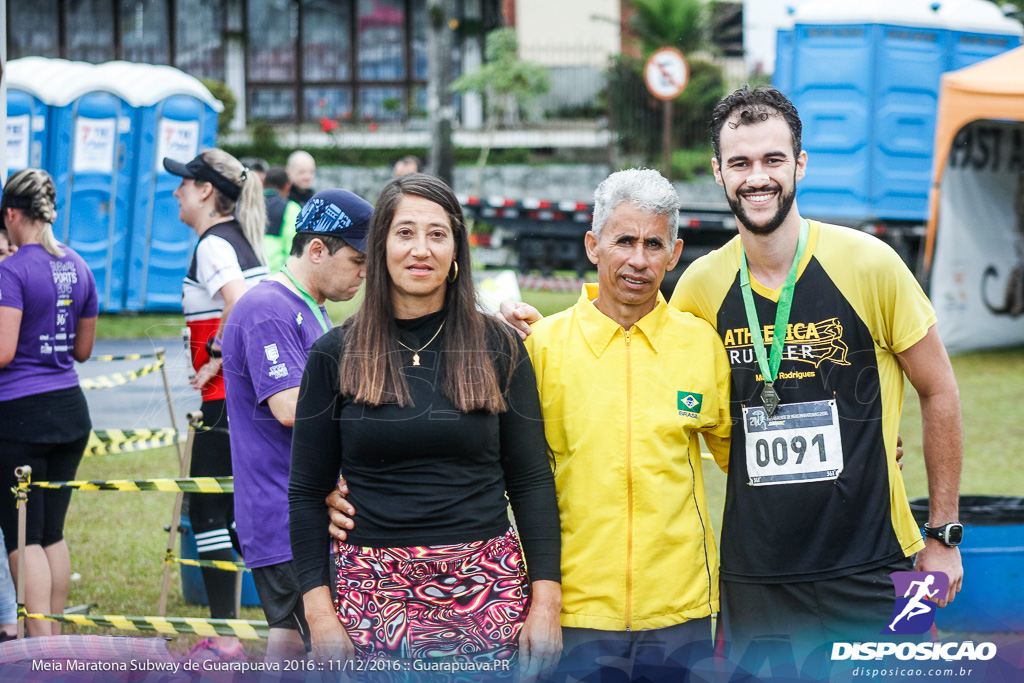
x=332, y=103
x=381, y=104
x=32, y=29
x=381, y=26
x=144, y=31
x=326, y=40
x=273, y=28
x=419, y=39
x=89, y=30
x=198, y=37
x=272, y=103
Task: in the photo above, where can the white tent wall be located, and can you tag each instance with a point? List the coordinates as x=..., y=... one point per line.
x=977, y=279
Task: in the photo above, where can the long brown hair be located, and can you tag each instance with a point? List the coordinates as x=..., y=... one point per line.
x=370, y=369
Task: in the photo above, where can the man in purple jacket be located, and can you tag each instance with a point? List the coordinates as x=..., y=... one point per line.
x=266, y=342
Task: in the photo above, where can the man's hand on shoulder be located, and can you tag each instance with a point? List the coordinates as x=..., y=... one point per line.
x=340, y=512
x=519, y=316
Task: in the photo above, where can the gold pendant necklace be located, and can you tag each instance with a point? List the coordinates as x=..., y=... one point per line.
x=416, y=352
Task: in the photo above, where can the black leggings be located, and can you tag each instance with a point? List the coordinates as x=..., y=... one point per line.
x=46, y=508
x=213, y=514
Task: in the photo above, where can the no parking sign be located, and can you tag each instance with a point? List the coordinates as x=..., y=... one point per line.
x=666, y=73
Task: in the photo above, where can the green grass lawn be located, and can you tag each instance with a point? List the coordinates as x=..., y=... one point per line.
x=117, y=543
x=142, y=326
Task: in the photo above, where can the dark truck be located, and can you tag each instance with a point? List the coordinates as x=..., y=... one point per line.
x=534, y=234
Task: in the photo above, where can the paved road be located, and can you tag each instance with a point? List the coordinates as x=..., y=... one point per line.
x=141, y=404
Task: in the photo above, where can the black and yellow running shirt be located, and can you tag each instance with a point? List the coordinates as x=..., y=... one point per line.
x=814, y=492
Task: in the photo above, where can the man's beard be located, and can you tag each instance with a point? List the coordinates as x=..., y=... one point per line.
x=785, y=205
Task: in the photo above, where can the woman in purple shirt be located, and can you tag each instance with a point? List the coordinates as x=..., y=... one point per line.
x=48, y=310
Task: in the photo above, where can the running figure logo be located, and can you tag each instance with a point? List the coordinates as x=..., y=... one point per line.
x=915, y=592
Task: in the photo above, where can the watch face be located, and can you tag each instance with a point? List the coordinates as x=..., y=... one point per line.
x=954, y=534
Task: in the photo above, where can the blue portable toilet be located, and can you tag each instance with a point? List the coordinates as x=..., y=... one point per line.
x=782, y=79
x=28, y=112
x=90, y=145
x=972, y=38
x=865, y=78
x=175, y=116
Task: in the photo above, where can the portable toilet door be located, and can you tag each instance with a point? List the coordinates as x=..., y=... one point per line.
x=979, y=30
x=177, y=118
x=91, y=137
x=26, y=130
x=910, y=61
x=30, y=94
x=782, y=78
x=831, y=86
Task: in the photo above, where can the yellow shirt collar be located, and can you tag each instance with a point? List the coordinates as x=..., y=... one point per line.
x=599, y=330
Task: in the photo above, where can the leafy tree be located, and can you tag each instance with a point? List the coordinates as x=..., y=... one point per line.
x=507, y=83
x=682, y=24
x=223, y=93
x=637, y=116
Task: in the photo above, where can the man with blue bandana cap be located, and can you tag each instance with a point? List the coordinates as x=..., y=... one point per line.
x=266, y=342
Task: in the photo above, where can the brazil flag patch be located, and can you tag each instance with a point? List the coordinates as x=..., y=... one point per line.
x=689, y=402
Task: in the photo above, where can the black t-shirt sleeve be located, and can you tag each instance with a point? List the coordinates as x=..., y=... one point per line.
x=316, y=461
x=528, y=478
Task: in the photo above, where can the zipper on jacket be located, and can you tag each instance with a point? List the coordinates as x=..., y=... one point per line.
x=629, y=485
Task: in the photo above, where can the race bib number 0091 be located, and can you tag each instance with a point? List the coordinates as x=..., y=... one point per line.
x=799, y=443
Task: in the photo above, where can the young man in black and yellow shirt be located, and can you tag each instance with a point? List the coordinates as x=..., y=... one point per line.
x=816, y=515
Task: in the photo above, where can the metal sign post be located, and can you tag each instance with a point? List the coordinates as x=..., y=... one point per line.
x=666, y=75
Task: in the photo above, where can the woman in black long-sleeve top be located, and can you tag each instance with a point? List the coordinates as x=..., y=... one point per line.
x=430, y=410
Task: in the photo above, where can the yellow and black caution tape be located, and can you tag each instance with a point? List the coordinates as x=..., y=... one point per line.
x=190, y=484
x=241, y=628
x=130, y=356
x=118, y=378
x=223, y=565
x=125, y=440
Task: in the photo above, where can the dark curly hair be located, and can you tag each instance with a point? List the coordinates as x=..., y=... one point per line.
x=754, y=106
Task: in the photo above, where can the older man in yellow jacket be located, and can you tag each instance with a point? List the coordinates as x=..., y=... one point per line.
x=626, y=384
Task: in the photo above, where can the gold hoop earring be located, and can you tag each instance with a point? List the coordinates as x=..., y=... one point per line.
x=453, y=278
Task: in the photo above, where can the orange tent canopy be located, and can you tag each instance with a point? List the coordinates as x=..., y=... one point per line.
x=993, y=90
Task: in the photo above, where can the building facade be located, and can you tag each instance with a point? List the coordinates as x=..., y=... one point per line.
x=286, y=60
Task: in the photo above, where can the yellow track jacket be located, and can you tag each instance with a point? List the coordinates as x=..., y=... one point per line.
x=622, y=410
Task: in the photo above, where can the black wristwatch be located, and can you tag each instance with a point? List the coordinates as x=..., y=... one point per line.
x=948, y=534
x=210, y=351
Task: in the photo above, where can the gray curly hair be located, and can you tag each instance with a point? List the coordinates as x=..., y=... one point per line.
x=645, y=188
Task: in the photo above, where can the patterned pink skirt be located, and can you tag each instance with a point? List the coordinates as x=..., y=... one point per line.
x=465, y=602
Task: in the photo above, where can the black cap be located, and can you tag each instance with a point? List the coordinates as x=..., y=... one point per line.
x=12, y=201
x=337, y=213
x=198, y=169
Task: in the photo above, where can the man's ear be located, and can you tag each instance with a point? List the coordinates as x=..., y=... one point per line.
x=677, y=251
x=590, y=241
x=717, y=170
x=317, y=250
x=801, y=165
